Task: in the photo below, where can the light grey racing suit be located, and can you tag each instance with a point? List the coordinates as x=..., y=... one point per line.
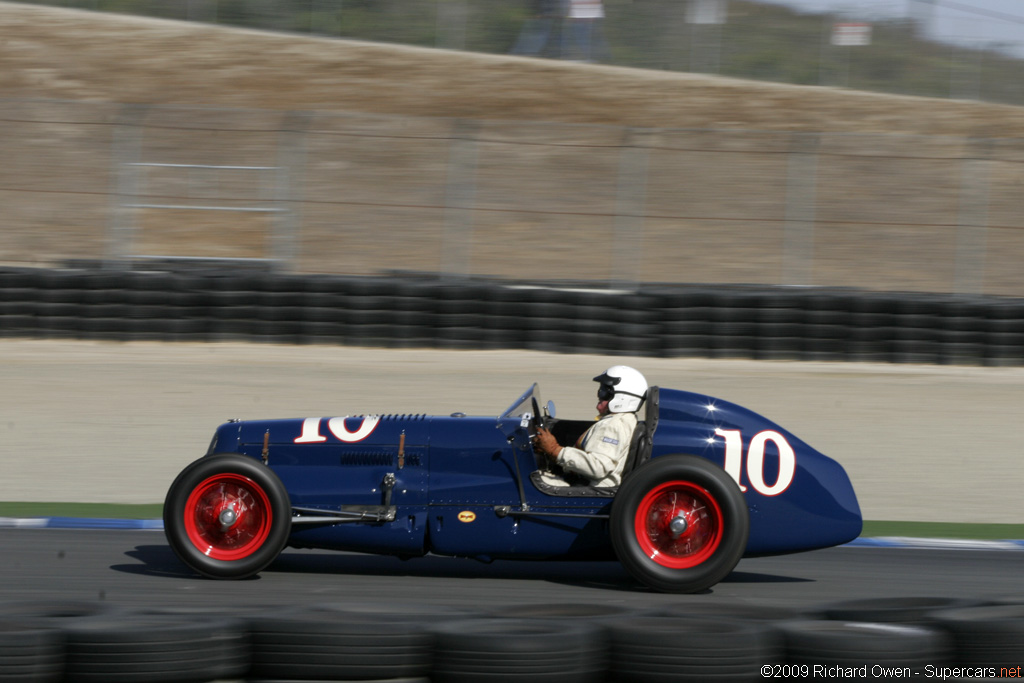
x=600, y=454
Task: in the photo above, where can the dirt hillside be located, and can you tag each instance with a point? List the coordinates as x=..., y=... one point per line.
x=77, y=55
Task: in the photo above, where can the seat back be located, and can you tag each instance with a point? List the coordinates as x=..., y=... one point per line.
x=642, y=440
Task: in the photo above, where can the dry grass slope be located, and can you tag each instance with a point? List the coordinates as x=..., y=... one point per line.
x=64, y=54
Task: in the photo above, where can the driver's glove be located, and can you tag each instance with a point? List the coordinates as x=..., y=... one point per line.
x=545, y=443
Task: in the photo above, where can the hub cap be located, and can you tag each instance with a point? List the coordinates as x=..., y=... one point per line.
x=228, y=517
x=678, y=524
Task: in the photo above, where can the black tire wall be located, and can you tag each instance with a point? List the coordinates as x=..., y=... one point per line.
x=418, y=311
x=567, y=643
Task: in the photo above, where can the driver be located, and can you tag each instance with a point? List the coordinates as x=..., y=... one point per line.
x=600, y=454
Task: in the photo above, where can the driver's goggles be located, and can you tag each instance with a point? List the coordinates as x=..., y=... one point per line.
x=605, y=392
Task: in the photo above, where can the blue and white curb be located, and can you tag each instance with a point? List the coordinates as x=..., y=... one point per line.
x=863, y=542
x=933, y=543
x=78, y=523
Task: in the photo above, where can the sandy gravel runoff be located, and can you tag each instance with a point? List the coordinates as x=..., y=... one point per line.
x=115, y=422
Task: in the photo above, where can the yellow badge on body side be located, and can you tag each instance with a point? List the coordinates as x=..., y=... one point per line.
x=467, y=516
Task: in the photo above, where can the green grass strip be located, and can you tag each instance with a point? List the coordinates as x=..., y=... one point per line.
x=89, y=510
x=978, y=532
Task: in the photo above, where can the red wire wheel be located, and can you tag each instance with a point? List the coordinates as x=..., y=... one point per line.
x=234, y=497
x=678, y=524
x=227, y=516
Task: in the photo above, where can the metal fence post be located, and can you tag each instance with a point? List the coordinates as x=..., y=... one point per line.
x=459, y=199
x=801, y=200
x=291, y=152
x=630, y=203
x=126, y=151
x=972, y=222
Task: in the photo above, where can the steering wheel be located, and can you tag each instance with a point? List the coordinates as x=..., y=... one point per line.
x=539, y=420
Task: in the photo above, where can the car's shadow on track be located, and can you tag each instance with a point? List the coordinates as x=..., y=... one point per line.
x=155, y=560
x=608, y=574
x=755, y=577
x=160, y=561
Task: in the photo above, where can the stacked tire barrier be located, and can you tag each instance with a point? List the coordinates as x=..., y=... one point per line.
x=410, y=311
x=570, y=643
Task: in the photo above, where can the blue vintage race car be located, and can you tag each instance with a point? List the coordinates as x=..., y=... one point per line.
x=707, y=483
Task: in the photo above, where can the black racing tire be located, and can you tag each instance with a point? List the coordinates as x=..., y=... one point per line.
x=134, y=647
x=899, y=610
x=519, y=651
x=587, y=611
x=718, y=524
x=203, y=491
x=414, y=614
x=854, y=644
x=682, y=649
x=30, y=651
x=315, y=644
x=743, y=611
x=985, y=635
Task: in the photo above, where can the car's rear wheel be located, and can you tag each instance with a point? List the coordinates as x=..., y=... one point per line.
x=227, y=516
x=679, y=524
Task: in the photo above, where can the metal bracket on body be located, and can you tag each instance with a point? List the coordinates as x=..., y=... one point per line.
x=347, y=514
x=515, y=461
x=388, y=485
x=508, y=511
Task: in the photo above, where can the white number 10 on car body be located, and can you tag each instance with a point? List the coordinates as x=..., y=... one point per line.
x=755, y=460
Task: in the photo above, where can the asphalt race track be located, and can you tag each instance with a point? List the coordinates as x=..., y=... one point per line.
x=136, y=568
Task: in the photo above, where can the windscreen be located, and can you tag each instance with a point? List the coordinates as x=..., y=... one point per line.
x=524, y=404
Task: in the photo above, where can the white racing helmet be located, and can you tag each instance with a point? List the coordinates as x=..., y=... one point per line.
x=623, y=387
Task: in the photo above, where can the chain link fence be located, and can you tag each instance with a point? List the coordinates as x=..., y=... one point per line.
x=312, y=192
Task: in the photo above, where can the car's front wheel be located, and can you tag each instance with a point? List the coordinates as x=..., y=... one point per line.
x=679, y=524
x=227, y=516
